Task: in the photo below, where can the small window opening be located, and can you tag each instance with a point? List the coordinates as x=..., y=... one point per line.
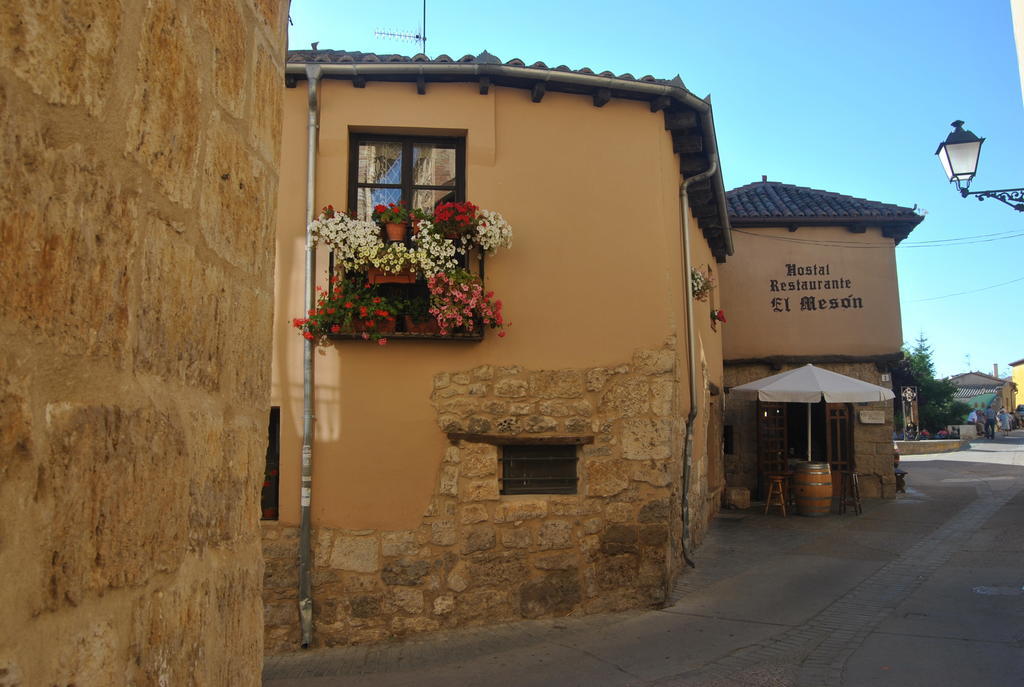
x=538, y=469
x=271, y=472
x=727, y=439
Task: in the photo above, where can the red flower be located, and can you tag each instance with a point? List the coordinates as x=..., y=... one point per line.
x=307, y=335
x=382, y=341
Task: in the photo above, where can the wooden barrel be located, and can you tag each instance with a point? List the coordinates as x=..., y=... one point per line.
x=812, y=485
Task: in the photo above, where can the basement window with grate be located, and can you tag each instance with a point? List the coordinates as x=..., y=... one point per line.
x=538, y=469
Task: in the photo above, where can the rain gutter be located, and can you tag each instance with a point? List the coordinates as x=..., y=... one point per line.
x=313, y=74
x=472, y=71
x=691, y=351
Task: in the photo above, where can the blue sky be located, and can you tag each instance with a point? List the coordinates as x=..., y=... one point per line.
x=851, y=97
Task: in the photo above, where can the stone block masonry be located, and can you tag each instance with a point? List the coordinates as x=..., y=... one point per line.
x=139, y=145
x=480, y=557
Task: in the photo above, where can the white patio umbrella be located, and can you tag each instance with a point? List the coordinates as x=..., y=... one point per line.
x=810, y=384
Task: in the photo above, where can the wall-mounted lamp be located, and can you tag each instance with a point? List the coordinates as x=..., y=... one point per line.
x=959, y=155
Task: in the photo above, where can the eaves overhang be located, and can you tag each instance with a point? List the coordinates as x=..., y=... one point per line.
x=688, y=119
x=891, y=227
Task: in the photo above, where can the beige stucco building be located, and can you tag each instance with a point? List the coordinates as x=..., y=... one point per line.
x=813, y=280
x=414, y=527
x=1017, y=377
x=980, y=390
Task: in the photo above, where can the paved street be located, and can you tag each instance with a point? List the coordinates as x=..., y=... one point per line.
x=924, y=590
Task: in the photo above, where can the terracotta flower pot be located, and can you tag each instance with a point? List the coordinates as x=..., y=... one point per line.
x=374, y=325
x=377, y=276
x=427, y=326
x=396, y=231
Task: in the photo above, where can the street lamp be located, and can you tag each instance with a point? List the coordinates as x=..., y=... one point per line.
x=959, y=157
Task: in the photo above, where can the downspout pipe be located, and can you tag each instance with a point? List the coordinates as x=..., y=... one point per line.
x=691, y=349
x=313, y=73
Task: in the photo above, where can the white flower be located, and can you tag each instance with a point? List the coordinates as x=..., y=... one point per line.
x=355, y=242
x=394, y=259
x=432, y=252
x=492, y=231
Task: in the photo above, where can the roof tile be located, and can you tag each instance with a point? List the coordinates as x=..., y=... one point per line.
x=355, y=57
x=771, y=199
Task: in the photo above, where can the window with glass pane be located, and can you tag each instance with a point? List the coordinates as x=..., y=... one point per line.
x=417, y=171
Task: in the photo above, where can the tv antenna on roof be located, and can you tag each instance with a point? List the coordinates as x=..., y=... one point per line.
x=420, y=36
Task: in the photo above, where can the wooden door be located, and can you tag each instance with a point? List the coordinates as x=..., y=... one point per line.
x=839, y=440
x=716, y=466
x=772, y=441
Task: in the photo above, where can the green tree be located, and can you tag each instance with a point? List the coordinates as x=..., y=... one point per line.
x=935, y=403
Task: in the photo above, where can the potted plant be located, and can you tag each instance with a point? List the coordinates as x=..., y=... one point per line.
x=395, y=218
x=455, y=221
x=415, y=312
x=492, y=231
x=716, y=317
x=393, y=264
x=459, y=303
x=346, y=306
x=354, y=242
x=701, y=283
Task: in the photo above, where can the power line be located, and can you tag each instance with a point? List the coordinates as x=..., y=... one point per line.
x=937, y=243
x=964, y=293
x=832, y=243
x=951, y=243
x=965, y=238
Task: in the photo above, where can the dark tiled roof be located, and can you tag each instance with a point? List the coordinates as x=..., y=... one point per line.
x=356, y=57
x=771, y=199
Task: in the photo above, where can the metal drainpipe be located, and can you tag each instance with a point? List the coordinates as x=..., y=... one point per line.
x=691, y=354
x=313, y=73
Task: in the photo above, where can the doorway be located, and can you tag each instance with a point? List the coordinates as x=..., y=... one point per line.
x=782, y=437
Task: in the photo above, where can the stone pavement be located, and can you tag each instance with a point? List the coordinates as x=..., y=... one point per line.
x=927, y=589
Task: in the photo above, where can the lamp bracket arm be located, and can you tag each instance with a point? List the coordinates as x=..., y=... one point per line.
x=1014, y=197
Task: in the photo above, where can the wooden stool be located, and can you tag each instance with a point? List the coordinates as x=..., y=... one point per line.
x=776, y=493
x=901, y=481
x=849, y=492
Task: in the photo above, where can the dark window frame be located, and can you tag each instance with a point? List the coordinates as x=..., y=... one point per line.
x=406, y=186
x=516, y=457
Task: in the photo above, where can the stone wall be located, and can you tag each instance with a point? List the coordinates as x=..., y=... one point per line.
x=873, y=452
x=138, y=152
x=481, y=557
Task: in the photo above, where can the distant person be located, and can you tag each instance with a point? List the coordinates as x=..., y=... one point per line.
x=1005, y=421
x=972, y=418
x=979, y=421
x=990, y=423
